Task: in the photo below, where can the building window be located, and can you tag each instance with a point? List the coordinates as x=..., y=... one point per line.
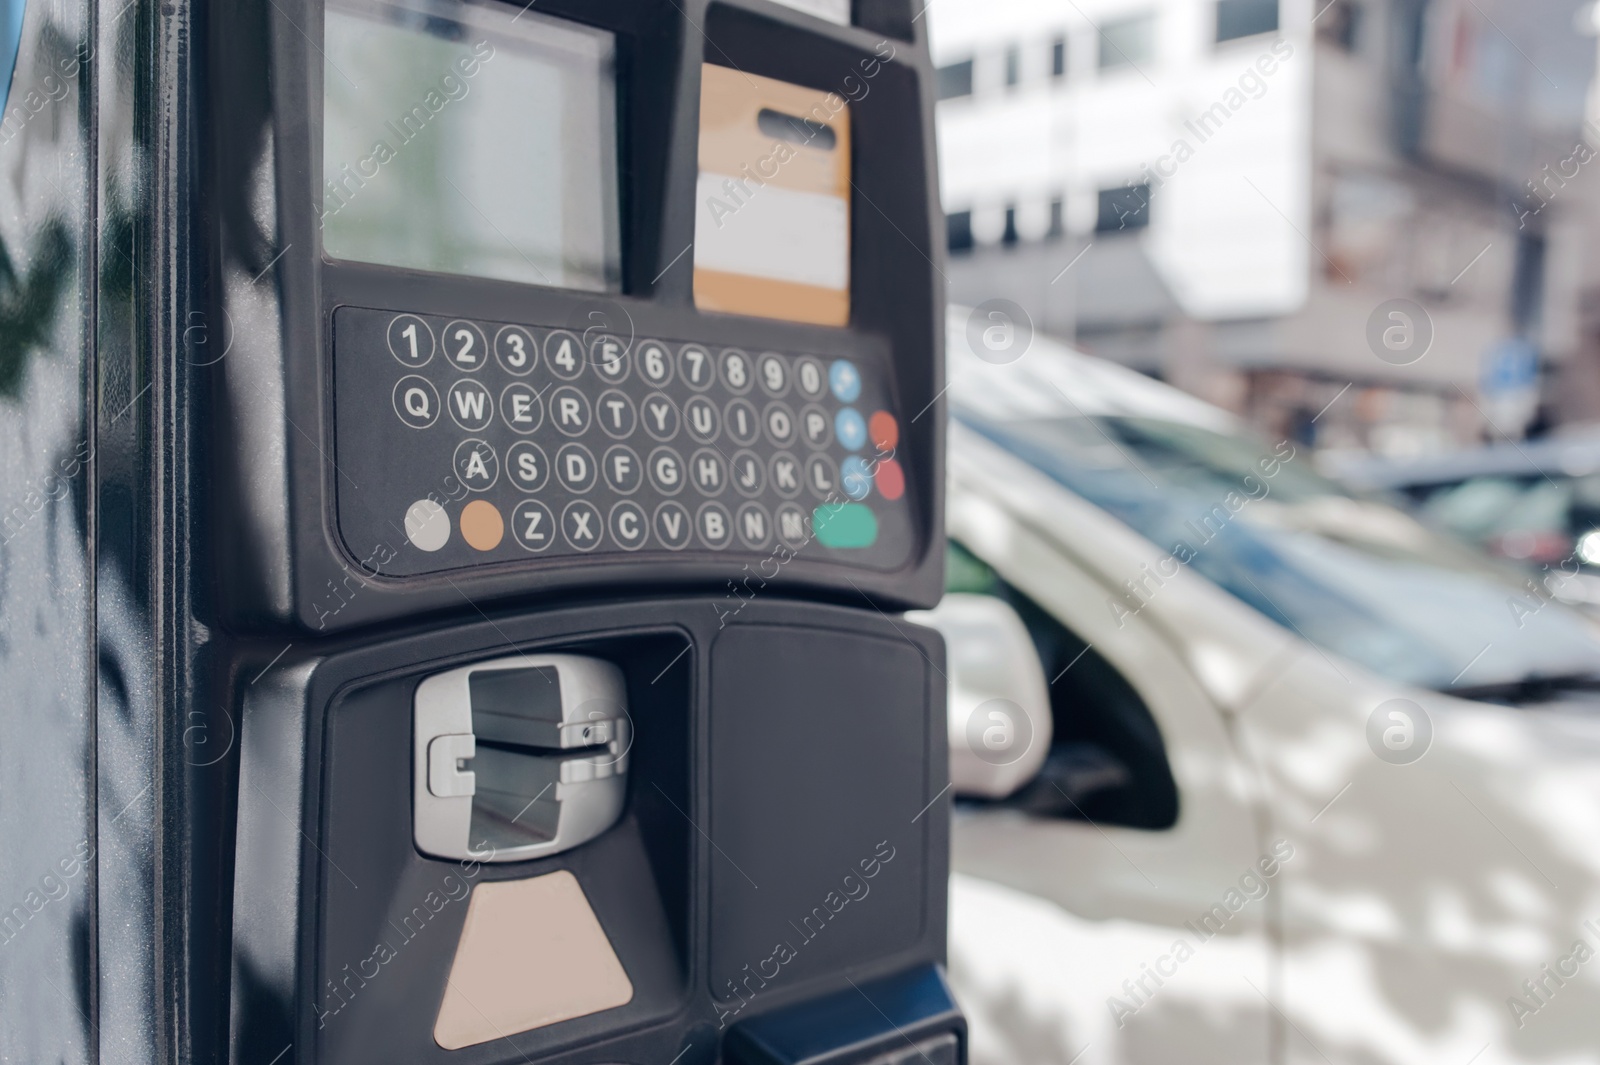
x=958, y=225
x=1058, y=224
x=1009, y=234
x=1013, y=66
x=1058, y=58
x=1123, y=207
x=1245, y=18
x=955, y=80
x=1127, y=41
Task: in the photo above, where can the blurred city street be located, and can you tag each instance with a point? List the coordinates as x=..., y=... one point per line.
x=1274, y=371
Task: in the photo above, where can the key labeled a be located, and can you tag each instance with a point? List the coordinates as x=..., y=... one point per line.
x=476, y=464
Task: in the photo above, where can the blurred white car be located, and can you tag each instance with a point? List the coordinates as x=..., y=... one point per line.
x=1298, y=779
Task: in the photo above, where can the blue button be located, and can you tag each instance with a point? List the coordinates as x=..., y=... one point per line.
x=855, y=478
x=844, y=379
x=851, y=429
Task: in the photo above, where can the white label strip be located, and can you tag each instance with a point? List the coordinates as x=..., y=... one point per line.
x=764, y=231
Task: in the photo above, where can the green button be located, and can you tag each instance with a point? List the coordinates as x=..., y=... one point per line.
x=845, y=525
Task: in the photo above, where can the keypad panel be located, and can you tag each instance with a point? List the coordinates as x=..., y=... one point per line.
x=460, y=442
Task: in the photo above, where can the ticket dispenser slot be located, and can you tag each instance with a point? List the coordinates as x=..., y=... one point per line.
x=519, y=757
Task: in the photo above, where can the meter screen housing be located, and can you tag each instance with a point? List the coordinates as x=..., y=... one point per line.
x=493, y=375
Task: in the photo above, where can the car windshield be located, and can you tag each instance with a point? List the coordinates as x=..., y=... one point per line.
x=1354, y=576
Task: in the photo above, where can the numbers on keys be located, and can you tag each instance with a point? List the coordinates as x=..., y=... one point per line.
x=410, y=340
x=694, y=366
x=736, y=371
x=464, y=345
x=655, y=362
x=563, y=354
x=774, y=374
x=515, y=348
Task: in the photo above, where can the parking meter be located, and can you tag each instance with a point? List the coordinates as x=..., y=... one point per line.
x=572, y=441
x=512, y=436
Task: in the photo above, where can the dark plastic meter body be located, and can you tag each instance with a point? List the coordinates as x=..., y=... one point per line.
x=539, y=442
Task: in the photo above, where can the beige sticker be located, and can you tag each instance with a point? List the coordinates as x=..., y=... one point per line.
x=532, y=953
x=772, y=202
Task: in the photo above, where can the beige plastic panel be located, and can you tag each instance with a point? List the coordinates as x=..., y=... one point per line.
x=532, y=953
x=772, y=214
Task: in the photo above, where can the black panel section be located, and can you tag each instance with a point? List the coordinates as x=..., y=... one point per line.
x=716, y=777
x=817, y=776
x=278, y=451
x=907, y=1018
x=392, y=917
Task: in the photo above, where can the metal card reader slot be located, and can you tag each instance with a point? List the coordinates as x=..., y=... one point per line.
x=519, y=757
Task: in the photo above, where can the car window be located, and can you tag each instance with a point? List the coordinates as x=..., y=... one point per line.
x=1107, y=761
x=1354, y=576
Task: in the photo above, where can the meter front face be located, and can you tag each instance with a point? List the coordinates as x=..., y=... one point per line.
x=605, y=295
x=587, y=445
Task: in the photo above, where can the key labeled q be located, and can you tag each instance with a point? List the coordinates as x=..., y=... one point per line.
x=416, y=401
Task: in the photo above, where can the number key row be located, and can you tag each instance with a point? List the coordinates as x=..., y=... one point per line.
x=518, y=351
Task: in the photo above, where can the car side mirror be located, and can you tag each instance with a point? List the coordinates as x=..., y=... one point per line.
x=999, y=706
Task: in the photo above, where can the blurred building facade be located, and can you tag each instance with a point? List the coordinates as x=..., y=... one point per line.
x=1226, y=192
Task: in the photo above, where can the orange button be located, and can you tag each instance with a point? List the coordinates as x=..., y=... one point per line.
x=891, y=478
x=481, y=525
x=884, y=430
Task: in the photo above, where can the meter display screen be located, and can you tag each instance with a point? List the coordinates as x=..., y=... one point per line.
x=470, y=139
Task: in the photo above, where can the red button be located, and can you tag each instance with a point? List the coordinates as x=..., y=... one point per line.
x=884, y=430
x=891, y=478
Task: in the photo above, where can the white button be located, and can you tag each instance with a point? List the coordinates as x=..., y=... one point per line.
x=532, y=525
x=714, y=526
x=427, y=525
x=514, y=346
x=744, y=425
x=700, y=414
x=822, y=477
x=749, y=474
x=694, y=366
x=673, y=525
x=666, y=471
x=779, y=421
x=610, y=357
x=580, y=524
x=707, y=471
x=471, y=406
x=773, y=373
x=410, y=340
x=660, y=416
x=792, y=526
x=464, y=345
x=416, y=401
x=575, y=468
x=816, y=426
x=615, y=413
x=563, y=354
x=476, y=464
x=753, y=527
x=812, y=377
x=736, y=371
x=655, y=362
x=629, y=526
x=527, y=465
x=786, y=473
x=569, y=410
x=521, y=407
x=623, y=471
